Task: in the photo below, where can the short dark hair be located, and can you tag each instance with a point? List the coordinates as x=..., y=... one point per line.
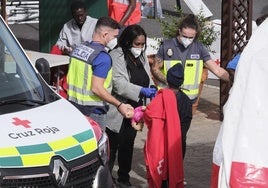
x=77, y=4
x=107, y=22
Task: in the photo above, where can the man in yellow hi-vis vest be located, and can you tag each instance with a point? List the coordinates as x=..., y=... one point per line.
x=185, y=49
x=89, y=74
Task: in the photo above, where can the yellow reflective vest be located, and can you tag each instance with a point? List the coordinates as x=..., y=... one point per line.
x=193, y=65
x=192, y=75
x=80, y=73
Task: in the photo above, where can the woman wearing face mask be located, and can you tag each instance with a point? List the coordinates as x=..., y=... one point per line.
x=193, y=55
x=131, y=82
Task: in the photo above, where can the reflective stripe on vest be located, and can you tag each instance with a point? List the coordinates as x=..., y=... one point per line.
x=79, y=84
x=192, y=75
x=69, y=148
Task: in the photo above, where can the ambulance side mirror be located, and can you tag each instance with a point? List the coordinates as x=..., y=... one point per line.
x=43, y=68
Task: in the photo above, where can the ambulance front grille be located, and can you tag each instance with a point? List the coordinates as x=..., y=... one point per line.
x=40, y=180
x=80, y=177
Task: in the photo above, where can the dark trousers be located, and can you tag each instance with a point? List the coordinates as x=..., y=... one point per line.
x=122, y=143
x=184, y=129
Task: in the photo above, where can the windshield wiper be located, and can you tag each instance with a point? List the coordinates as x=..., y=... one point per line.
x=27, y=102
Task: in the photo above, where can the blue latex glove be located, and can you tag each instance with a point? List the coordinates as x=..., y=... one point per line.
x=233, y=63
x=148, y=92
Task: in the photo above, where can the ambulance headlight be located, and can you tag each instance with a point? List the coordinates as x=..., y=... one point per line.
x=104, y=149
x=103, y=141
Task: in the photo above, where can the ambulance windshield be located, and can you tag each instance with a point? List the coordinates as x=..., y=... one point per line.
x=18, y=79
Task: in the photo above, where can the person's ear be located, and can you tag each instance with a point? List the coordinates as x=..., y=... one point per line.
x=105, y=33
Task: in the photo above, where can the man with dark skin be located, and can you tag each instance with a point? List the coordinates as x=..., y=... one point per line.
x=77, y=30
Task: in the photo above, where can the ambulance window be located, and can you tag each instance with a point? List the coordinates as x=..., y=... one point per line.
x=17, y=77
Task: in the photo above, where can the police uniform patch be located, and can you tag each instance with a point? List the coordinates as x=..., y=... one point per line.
x=195, y=56
x=82, y=52
x=169, y=52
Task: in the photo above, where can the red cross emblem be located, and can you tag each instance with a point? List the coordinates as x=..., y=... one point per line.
x=218, y=62
x=19, y=122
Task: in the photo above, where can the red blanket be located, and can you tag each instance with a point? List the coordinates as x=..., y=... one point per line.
x=163, y=148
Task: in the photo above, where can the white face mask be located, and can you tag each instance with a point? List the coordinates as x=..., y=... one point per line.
x=136, y=51
x=112, y=43
x=186, y=41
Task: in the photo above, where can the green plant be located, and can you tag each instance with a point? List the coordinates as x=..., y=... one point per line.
x=171, y=24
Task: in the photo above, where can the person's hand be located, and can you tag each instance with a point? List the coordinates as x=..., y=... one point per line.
x=66, y=50
x=126, y=110
x=138, y=114
x=148, y=92
x=137, y=120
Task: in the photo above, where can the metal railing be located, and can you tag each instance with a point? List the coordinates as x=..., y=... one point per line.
x=18, y=11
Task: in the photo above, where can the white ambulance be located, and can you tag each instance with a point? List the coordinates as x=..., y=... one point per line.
x=45, y=140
